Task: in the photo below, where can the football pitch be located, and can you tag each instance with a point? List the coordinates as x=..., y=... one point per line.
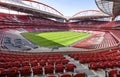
x=55, y=39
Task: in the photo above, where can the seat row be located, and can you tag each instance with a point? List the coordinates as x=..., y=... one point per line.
x=105, y=43
x=104, y=65
x=33, y=63
x=109, y=55
x=116, y=33
x=20, y=63
x=113, y=73
x=36, y=70
x=69, y=75
x=16, y=57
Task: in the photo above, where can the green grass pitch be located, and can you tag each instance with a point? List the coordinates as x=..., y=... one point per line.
x=55, y=39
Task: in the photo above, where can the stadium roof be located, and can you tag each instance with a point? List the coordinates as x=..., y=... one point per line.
x=24, y=6
x=110, y=7
x=89, y=14
x=42, y=10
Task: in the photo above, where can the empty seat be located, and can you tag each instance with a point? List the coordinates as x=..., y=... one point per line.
x=2, y=72
x=65, y=61
x=51, y=76
x=25, y=63
x=49, y=69
x=2, y=65
x=50, y=62
x=16, y=64
x=65, y=75
x=12, y=72
x=58, y=61
x=26, y=70
x=37, y=70
x=109, y=64
x=70, y=67
x=112, y=73
x=93, y=66
x=2, y=59
x=8, y=64
x=59, y=68
x=80, y=75
x=42, y=62
x=101, y=65
x=34, y=63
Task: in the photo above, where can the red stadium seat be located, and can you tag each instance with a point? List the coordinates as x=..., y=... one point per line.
x=108, y=64
x=51, y=76
x=58, y=61
x=59, y=68
x=2, y=59
x=16, y=64
x=12, y=72
x=65, y=75
x=50, y=62
x=34, y=63
x=70, y=67
x=49, y=69
x=2, y=72
x=82, y=60
x=26, y=70
x=37, y=70
x=80, y=75
x=2, y=65
x=101, y=65
x=65, y=61
x=112, y=73
x=8, y=64
x=25, y=63
x=42, y=62
x=93, y=66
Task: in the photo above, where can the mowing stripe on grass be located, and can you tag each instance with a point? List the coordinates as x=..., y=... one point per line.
x=55, y=38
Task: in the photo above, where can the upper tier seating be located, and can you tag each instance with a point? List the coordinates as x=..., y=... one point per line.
x=95, y=25
x=26, y=21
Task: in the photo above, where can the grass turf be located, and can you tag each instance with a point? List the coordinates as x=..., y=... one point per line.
x=55, y=39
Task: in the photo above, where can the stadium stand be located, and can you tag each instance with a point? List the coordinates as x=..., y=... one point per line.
x=95, y=56
x=116, y=33
x=98, y=41
x=27, y=65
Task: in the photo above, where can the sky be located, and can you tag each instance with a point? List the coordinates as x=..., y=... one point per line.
x=66, y=7
x=70, y=7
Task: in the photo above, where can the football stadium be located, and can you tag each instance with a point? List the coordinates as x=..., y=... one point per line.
x=37, y=40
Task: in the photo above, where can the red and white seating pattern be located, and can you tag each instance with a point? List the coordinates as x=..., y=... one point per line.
x=116, y=33
x=107, y=43
x=103, y=44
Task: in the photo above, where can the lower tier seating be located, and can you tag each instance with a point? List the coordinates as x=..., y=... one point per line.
x=99, y=60
x=43, y=65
